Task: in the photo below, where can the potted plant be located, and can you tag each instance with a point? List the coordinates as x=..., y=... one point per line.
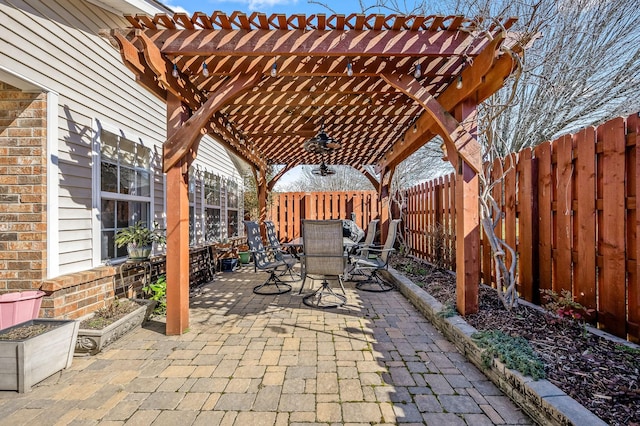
x=34, y=350
x=244, y=254
x=139, y=239
x=108, y=324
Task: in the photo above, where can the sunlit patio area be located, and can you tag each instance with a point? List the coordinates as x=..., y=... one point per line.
x=250, y=359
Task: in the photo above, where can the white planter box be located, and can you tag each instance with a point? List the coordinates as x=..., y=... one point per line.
x=91, y=342
x=26, y=362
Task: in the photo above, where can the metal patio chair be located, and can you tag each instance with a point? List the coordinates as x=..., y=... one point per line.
x=262, y=260
x=278, y=251
x=324, y=257
x=373, y=260
x=362, y=249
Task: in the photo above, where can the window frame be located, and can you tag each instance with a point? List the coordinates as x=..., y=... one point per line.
x=117, y=197
x=200, y=204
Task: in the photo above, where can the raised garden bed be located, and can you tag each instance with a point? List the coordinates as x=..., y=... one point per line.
x=94, y=334
x=34, y=350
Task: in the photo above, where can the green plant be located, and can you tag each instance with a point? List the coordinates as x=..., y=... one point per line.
x=564, y=305
x=139, y=235
x=109, y=314
x=157, y=291
x=448, y=310
x=514, y=352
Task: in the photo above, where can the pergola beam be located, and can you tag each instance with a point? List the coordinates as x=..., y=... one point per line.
x=182, y=140
x=315, y=43
x=479, y=80
x=294, y=66
x=454, y=134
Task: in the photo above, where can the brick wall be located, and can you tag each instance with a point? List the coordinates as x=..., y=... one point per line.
x=75, y=295
x=23, y=193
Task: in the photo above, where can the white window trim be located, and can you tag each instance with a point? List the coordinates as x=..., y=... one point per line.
x=53, y=185
x=98, y=126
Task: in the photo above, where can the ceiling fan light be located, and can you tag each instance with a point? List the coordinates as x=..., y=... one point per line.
x=323, y=170
x=321, y=143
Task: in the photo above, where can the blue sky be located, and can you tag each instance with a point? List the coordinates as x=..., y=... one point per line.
x=268, y=6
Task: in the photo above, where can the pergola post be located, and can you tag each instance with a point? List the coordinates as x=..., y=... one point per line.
x=467, y=240
x=467, y=222
x=263, y=194
x=177, y=260
x=465, y=154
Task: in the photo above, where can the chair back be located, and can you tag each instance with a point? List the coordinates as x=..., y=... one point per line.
x=390, y=241
x=371, y=234
x=272, y=238
x=323, y=247
x=254, y=241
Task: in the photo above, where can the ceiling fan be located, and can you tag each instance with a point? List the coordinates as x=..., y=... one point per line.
x=323, y=170
x=321, y=143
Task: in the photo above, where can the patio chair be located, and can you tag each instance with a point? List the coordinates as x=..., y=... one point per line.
x=362, y=249
x=373, y=260
x=279, y=251
x=263, y=261
x=323, y=256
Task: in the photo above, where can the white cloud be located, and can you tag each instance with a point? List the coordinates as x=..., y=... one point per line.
x=177, y=9
x=265, y=4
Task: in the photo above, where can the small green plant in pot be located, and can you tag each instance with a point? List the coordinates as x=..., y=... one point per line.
x=139, y=239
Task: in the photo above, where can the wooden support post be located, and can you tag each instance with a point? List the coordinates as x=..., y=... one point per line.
x=177, y=251
x=467, y=220
x=177, y=260
x=467, y=240
x=263, y=194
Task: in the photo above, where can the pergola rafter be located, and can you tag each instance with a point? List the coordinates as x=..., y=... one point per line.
x=381, y=85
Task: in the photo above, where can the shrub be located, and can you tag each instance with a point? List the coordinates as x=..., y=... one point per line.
x=514, y=352
x=564, y=305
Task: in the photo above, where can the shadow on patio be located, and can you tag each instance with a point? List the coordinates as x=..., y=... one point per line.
x=250, y=359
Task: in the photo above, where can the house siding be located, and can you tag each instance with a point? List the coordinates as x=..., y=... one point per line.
x=55, y=45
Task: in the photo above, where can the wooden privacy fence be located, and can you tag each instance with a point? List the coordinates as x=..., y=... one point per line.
x=288, y=209
x=569, y=208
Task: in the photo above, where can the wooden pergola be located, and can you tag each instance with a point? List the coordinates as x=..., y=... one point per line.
x=381, y=85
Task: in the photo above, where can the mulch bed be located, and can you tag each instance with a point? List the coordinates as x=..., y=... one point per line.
x=109, y=314
x=26, y=331
x=601, y=374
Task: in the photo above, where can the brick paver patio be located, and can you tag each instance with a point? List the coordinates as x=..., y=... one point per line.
x=270, y=360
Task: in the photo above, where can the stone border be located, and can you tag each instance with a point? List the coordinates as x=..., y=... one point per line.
x=544, y=402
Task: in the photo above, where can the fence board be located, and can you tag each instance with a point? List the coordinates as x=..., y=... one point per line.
x=497, y=172
x=562, y=226
x=510, y=179
x=543, y=155
x=611, y=288
x=446, y=222
x=527, y=239
x=584, y=289
x=633, y=285
x=453, y=188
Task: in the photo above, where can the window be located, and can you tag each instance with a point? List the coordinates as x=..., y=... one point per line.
x=233, y=196
x=125, y=189
x=215, y=205
x=212, y=207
